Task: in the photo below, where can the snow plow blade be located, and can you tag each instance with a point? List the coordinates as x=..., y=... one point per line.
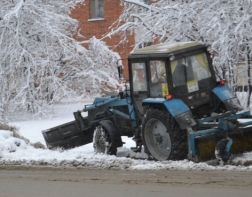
x=69, y=135
x=229, y=133
x=242, y=142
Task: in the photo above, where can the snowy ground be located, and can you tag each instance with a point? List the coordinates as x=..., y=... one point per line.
x=17, y=151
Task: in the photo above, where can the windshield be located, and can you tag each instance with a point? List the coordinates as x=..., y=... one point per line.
x=189, y=71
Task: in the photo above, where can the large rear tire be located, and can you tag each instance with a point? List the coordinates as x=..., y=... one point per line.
x=162, y=137
x=106, y=139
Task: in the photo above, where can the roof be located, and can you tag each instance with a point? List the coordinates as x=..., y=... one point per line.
x=165, y=48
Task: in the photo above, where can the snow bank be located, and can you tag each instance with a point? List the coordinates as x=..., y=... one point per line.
x=8, y=143
x=16, y=151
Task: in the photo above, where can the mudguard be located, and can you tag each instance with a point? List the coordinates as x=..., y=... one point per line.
x=223, y=93
x=227, y=96
x=176, y=108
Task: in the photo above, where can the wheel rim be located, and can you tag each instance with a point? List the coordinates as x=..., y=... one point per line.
x=157, y=139
x=101, y=142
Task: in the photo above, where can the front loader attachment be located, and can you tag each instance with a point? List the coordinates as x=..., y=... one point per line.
x=80, y=131
x=220, y=136
x=69, y=135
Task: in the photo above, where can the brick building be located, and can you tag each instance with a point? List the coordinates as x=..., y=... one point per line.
x=95, y=18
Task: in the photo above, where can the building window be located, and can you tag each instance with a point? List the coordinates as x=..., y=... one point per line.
x=96, y=9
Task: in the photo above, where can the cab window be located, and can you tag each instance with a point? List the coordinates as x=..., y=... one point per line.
x=139, y=77
x=158, y=79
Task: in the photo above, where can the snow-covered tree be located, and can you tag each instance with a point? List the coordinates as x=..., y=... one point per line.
x=39, y=57
x=101, y=76
x=225, y=25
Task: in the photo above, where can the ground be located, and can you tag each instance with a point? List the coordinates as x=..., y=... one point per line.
x=65, y=182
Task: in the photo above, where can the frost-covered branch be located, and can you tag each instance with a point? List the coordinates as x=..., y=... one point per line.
x=39, y=57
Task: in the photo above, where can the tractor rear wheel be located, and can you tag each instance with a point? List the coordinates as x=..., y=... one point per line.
x=105, y=138
x=162, y=137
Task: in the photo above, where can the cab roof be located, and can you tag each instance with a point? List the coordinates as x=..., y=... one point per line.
x=166, y=48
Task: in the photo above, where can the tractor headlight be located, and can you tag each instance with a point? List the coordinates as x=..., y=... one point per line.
x=233, y=104
x=185, y=120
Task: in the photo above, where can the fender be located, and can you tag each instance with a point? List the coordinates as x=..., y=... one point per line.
x=223, y=93
x=226, y=95
x=176, y=108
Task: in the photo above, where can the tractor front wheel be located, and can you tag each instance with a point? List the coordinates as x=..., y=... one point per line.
x=162, y=137
x=105, y=138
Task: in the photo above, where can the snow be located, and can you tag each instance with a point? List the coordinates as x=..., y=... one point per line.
x=17, y=151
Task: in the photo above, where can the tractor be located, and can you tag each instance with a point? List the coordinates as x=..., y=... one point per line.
x=174, y=109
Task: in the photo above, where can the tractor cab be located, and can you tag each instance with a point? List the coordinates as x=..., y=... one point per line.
x=181, y=70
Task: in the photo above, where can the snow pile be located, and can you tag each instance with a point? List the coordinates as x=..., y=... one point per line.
x=17, y=151
x=245, y=159
x=8, y=143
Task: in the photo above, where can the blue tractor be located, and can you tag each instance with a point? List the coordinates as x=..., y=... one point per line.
x=174, y=109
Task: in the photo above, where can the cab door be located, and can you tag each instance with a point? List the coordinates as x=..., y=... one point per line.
x=139, y=84
x=158, y=78
x=148, y=80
